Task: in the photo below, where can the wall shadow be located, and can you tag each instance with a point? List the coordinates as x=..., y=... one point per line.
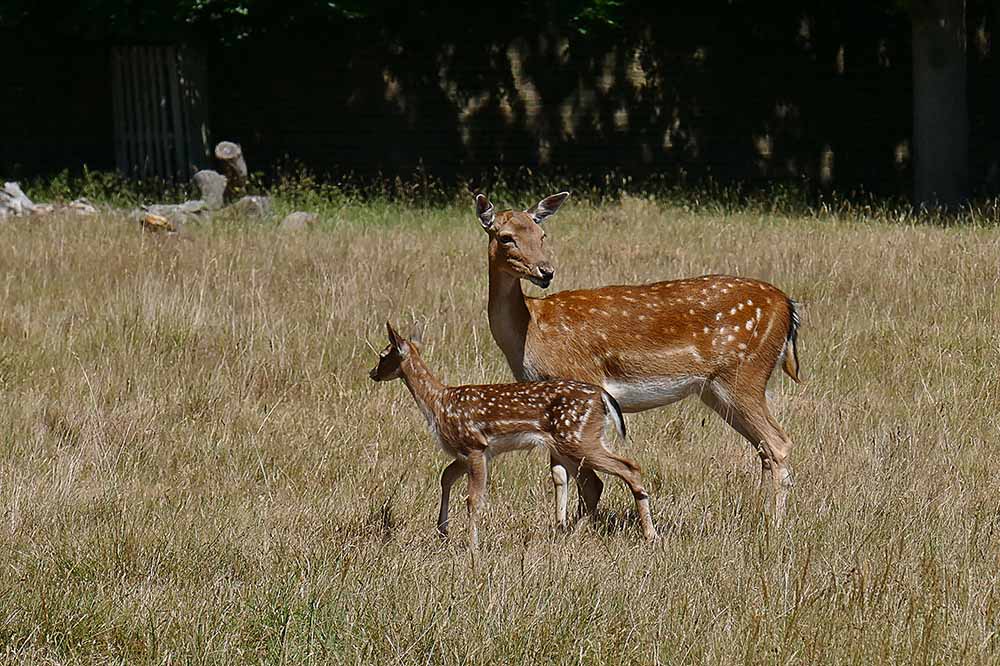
x=816, y=93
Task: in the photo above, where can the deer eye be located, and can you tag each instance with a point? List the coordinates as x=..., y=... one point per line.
x=508, y=240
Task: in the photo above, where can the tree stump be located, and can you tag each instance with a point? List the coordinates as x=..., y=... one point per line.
x=82, y=207
x=13, y=201
x=299, y=221
x=252, y=206
x=212, y=186
x=157, y=223
x=177, y=215
x=234, y=166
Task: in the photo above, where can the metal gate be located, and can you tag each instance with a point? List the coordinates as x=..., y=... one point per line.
x=160, y=124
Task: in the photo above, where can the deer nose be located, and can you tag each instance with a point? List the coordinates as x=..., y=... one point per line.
x=546, y=273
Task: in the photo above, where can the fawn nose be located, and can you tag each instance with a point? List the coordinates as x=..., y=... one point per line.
x=546, y=273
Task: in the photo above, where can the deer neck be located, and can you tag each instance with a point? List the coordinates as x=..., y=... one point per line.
x=425, y=388
x=509, y=318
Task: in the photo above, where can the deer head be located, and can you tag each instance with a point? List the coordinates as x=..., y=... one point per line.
x=391, y=359
x=517, y=239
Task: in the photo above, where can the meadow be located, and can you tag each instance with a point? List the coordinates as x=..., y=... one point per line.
x=195, y=467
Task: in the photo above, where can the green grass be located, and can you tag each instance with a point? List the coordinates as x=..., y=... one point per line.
x=195, y=468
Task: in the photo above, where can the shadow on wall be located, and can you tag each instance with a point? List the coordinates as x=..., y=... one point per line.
x=55, y=107
x=728, y=94
x=816, y=92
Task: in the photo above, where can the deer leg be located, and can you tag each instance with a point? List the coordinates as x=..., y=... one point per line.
x=589, y=486
x=752, y=419
x=449, y=476
x=476, y=465
x=781, y=471
x=559, y=483
x=631, y=474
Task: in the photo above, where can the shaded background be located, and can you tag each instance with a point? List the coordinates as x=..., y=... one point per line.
x=815, y=93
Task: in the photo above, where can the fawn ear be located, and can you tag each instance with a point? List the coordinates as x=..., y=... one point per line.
x=485, y=211
x=547, y=207
x=396, y=340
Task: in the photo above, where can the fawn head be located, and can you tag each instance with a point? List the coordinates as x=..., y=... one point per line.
x=517, y=238
x=391, y=359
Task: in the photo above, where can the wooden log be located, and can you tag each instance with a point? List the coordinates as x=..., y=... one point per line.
x=234, y=166
x=9, y=206
x=157, y=223
x=212, y=186
x=14, y=201
x=82, y=207
x=252, y=207
x=178, y=215
x=299, y=220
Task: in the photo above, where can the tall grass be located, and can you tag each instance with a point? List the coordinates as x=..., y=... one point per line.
x=194, y=467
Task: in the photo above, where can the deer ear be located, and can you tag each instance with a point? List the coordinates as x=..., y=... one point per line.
x=396, y=340
x=547, y=207
x=485, y=211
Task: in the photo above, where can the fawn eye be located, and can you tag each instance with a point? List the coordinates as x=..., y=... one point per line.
x=508, y=240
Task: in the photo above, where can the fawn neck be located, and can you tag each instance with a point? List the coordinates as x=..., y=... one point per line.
x=509, y=317
x=424, y=387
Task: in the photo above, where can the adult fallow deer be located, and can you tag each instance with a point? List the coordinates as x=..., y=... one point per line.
x=474, y=424
x=717, y=336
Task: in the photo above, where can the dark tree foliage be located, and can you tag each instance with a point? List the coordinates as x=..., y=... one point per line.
x=226, y=20
x=735, y=90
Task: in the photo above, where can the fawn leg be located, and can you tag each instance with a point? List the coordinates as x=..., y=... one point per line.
x=476, y=465
x=559, y=483
x=589, y=487
x=449, y=476
x=631, y=474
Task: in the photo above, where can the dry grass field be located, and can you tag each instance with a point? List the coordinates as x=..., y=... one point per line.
x=195, y=468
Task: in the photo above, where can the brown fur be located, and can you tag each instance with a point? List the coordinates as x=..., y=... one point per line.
x=474, y=423
x=722, y=335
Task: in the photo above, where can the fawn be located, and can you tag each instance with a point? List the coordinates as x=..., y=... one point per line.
x=475, y=423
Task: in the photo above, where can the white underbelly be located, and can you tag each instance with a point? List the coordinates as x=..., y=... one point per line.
x=636, y=395
x=520, y=441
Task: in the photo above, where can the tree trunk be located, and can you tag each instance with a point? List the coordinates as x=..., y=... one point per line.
x=231, y=156
x=940, y=113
